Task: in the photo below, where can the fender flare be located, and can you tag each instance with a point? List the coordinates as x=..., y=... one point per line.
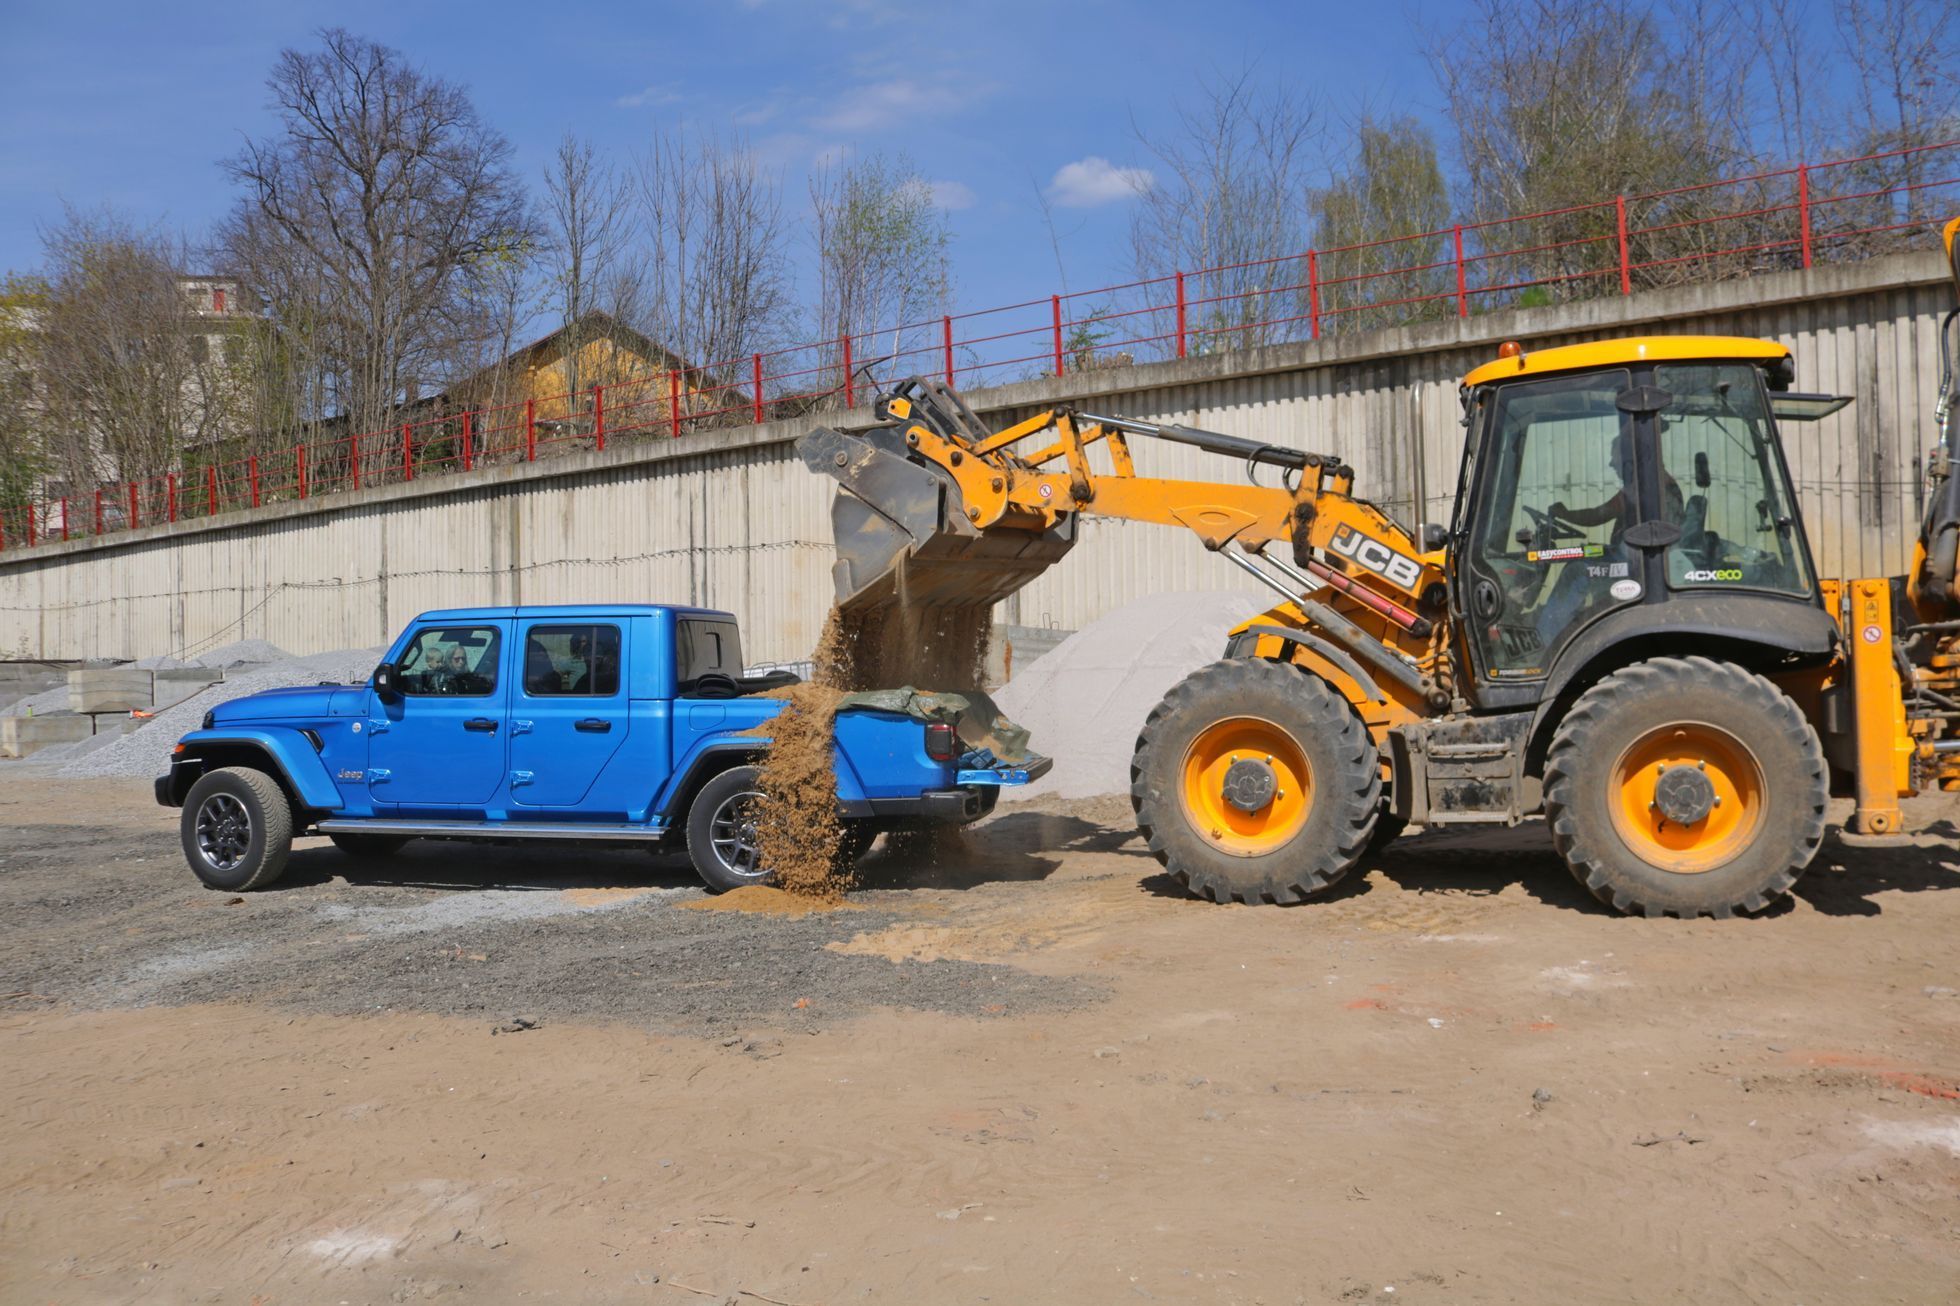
x=293, y=761
x=705, y=762
x=1755, y=631
x=1346, y=665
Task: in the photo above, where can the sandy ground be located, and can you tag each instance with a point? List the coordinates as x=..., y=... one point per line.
x=1028, y=1071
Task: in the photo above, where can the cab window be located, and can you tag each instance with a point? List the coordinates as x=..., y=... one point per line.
x=572, y=661
x=1738, y=522
x=706, y=647
x=452, y=660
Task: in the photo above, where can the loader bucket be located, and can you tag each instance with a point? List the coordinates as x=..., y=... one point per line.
x=902, y=534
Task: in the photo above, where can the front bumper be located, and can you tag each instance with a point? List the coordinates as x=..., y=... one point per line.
x=166, y=792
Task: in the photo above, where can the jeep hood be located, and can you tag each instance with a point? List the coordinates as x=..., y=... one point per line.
x=299, y=702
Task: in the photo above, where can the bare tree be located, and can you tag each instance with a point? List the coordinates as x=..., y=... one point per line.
x=882, y=266
x=1786, y=63
x=1904, y=55
x=128, y=376
x=1390, y=190
x=23, y=434
x=369, y=205
x=1561, y=104
x=711, y=282
x=1230, y=201
x=591, y=263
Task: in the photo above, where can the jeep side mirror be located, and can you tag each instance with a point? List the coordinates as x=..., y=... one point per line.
x=387, y=687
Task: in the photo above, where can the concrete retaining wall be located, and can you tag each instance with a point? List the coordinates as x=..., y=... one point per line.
x=732, y=519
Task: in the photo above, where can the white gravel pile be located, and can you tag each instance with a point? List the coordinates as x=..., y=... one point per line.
x=146, y=750
x=1084, y=701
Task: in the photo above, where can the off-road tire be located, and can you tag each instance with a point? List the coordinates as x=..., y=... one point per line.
x=1647, y=696
x=369, y=845
x=714, y=867
x=1347, y=785
x=260, y=829
x=854, y=840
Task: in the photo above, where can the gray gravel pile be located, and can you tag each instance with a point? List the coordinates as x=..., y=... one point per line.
x=1084, y=701
x=226, y=657
x=238, y=653
x=146, y=751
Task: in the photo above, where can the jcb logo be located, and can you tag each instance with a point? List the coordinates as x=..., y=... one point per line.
x=1378, y=558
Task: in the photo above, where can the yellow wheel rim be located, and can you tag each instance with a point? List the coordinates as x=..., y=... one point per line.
x=1257, y=763
x=1710, y=782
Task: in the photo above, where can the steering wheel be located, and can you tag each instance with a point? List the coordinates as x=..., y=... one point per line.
x=1547, y=529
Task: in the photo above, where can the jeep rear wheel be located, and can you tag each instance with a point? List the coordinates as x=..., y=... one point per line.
x=237, y=829
x=721, y=834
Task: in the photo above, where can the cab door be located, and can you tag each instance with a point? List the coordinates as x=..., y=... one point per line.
x=1554, y=493
x=570, y=714
x=440, y=746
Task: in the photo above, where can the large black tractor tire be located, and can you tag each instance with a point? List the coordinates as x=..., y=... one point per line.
x=1254, y=781
x=237, y=829
x=1686, y=787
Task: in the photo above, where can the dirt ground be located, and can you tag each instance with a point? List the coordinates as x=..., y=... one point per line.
x=1020, y=1067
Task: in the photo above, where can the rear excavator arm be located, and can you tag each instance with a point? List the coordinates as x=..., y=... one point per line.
x=944, y=513
x=1936, y=559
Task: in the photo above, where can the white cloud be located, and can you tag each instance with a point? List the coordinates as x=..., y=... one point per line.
x=877, y=106
x=1095, y=180
x=649, y=95
x=951, y=195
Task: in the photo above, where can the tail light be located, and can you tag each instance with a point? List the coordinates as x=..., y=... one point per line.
x=942, y=745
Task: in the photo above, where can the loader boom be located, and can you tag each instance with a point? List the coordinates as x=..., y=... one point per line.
x=981, y=518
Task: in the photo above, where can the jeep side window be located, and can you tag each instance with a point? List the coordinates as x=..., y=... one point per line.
x=451, y=660
x=572, y=662
x=706, y=648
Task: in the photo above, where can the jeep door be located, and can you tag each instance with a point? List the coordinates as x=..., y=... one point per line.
x=570, y=715
x=442, y=743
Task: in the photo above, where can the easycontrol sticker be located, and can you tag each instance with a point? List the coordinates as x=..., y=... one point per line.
x=1625, y=589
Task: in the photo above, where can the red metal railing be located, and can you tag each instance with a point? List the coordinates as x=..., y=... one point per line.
x=1782, y=219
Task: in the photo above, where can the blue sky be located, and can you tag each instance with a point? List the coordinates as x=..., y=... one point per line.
x=134, y=104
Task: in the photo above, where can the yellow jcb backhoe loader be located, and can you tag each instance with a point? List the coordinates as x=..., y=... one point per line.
x=1621, y=627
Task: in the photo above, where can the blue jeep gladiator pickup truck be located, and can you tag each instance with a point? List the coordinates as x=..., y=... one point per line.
x=626, y=722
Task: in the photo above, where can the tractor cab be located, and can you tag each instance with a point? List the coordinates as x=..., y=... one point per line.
x=1628, y=489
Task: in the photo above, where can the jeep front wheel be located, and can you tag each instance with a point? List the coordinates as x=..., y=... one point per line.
x=237, y=829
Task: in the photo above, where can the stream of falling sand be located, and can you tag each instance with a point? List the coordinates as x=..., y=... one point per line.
x=799, y=832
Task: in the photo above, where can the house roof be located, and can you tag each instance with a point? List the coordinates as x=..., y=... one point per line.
x=591, y=326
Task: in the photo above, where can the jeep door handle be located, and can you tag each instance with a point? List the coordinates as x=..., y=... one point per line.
x=483, y=724
x=593, y=725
